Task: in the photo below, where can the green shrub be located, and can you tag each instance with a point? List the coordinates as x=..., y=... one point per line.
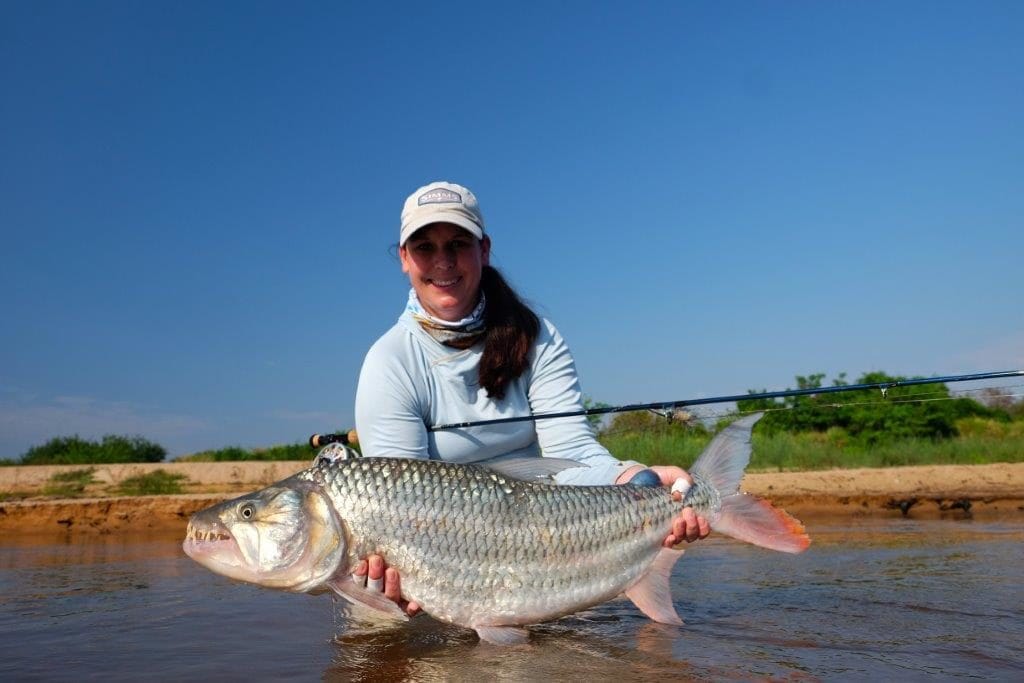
x=155, y=483
x=72, y=450
x=994, y=429
x=866, y=418
x=69, y=484
x=297, y=451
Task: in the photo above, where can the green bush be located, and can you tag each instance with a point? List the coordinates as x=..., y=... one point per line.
x=69, y=484
x=156, y=483
x=72, y=450
x=297, y=451
x=866, y=418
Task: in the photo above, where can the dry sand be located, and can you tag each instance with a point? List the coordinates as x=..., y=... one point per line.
x=919, y=492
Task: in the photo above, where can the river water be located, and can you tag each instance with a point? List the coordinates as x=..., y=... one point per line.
x=880, y=599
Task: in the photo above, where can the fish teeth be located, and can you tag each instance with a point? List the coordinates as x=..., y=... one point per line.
x=193, y=533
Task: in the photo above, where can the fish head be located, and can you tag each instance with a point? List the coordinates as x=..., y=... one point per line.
x=285, y=536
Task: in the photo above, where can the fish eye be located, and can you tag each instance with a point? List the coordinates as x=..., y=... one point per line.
x=247, y=511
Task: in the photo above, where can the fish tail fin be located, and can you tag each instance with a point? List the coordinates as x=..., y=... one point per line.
x=748, y=518
x=743, y=517
x=722, y=463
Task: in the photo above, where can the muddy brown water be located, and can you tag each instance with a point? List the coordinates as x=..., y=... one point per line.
x=872, y=598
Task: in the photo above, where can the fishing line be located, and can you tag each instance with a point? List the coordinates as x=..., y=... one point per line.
x=884, y=387
x=666, y=406
x=667, y=419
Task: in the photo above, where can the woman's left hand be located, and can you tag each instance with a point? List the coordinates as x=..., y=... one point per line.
x=688, y=525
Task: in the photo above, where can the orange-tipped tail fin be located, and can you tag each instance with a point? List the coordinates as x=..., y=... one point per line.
x=753, y=520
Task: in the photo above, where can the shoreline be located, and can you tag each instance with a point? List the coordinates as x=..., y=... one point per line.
x=919, y=492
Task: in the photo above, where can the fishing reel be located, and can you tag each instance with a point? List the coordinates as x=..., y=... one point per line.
x=333, y=452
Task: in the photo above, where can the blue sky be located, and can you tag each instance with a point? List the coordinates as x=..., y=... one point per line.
x=198, y=200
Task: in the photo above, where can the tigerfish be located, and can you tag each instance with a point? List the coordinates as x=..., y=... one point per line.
x=478, y=547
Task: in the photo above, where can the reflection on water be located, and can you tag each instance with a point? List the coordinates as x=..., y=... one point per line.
x=905, y=598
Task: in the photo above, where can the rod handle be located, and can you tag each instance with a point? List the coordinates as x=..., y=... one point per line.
x=344, y=438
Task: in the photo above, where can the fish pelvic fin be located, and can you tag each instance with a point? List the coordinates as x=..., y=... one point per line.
x=651, y=593
x=502, y=635
x=748, y=518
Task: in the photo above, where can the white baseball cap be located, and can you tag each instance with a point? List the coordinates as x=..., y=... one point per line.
x=441, y=202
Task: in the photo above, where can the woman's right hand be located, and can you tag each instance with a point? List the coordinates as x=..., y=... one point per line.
x=380, y=577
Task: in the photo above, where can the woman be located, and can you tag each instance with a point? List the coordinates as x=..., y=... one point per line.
x=467, y=349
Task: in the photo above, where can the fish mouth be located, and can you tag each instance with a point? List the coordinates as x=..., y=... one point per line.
x=197, y=535
x=204, y=539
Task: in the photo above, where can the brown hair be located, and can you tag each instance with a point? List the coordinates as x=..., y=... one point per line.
x=511, y=330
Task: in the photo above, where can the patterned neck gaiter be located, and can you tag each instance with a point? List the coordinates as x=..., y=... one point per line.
x=460, y=334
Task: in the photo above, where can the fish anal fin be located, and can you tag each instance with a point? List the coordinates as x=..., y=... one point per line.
x=503, y=635
x=361, y=595
x=753, y=520
x=651, y=593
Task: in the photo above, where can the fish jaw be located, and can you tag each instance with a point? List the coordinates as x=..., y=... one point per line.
x=286, y=536
x=211, y=544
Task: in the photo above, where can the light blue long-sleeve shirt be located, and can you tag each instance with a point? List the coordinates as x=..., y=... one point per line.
x=409, y=380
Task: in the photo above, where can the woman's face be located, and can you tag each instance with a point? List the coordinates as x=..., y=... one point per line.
x=444, y=263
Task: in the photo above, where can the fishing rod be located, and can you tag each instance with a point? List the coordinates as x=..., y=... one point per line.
x=350, y=437
x=671, y=405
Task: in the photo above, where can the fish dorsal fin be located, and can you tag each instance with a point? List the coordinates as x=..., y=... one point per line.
x=528, y=467
x=723, y=461
x=651, y=593
x=502, y=635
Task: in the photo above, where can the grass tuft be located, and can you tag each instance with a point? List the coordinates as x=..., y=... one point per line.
x=69, y=484
x=156, y=483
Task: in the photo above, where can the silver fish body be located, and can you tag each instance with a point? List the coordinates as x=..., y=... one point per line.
x=475, y=547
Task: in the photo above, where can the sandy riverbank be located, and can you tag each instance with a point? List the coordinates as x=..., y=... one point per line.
x=932, y=491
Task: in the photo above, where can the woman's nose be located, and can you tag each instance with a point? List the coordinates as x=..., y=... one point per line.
x=445, y=258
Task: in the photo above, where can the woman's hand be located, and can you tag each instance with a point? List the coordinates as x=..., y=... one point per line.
x=381, y=577
x=687, y=526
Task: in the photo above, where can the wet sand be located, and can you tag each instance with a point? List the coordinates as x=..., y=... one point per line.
x=916, y=492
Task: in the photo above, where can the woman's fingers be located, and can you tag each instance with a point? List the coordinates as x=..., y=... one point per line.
x=378, y=576
x=392, y=585
x=375, y=575
x=393, y=591
x=687, y=526
x=704, y=527
x=359, y=574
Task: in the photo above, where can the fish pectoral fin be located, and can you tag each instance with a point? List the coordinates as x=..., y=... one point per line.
x=651, y=593
x=502, y=635
x=375, y=600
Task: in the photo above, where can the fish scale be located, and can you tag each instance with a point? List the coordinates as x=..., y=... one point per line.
x=475, y=547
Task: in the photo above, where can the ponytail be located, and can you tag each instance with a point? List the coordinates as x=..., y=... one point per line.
x=512, y=329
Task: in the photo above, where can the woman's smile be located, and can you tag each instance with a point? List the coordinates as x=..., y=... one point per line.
x=444, y=263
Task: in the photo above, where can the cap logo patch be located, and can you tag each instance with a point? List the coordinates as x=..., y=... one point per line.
x=439, y=195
